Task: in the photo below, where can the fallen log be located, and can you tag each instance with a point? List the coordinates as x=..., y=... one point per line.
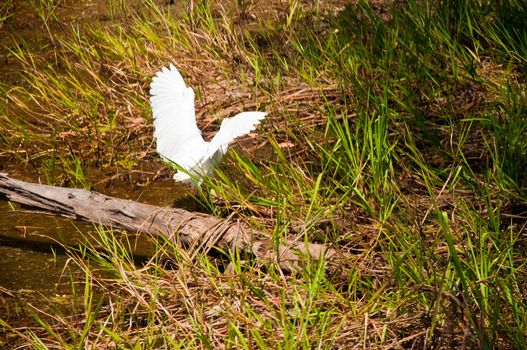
x=195, y=230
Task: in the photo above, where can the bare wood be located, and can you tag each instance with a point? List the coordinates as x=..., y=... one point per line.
x=192, y=229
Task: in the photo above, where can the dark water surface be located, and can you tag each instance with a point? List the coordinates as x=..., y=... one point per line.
x=34, y=266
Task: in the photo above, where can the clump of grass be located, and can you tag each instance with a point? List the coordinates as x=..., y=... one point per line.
x=395, y=136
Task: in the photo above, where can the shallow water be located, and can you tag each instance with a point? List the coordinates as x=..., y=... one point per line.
x=36, y=270
x=34, y=267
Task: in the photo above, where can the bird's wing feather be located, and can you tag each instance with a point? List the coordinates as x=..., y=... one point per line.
x=178, y=138
x=231, y=128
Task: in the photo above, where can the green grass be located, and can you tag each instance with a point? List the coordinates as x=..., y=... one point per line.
x=396, y=135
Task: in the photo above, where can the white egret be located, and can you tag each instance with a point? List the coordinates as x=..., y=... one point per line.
x=179, y=140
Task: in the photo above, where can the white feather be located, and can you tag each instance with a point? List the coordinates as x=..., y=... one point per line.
x=179, y=140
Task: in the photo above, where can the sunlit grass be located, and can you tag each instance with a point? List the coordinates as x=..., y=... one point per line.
x=396, y=135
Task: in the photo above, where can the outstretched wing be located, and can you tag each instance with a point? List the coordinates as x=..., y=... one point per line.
x=231, y=128
x=178, y=138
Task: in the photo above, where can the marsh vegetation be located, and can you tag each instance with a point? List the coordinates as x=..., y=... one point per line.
x=397, y=135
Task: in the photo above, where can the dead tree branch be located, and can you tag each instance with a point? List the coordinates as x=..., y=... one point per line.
x=191, y=229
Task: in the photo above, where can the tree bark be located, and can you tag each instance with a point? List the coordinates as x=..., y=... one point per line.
x=196, y=231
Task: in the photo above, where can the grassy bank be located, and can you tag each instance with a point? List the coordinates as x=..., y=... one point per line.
x=397, y=135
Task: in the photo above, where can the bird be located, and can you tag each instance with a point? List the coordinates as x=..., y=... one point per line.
x=179, y=140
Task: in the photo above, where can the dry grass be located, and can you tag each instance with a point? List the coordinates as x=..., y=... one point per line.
x=395, y=135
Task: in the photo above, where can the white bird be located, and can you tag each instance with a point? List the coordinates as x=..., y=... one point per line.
x=179, y=140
